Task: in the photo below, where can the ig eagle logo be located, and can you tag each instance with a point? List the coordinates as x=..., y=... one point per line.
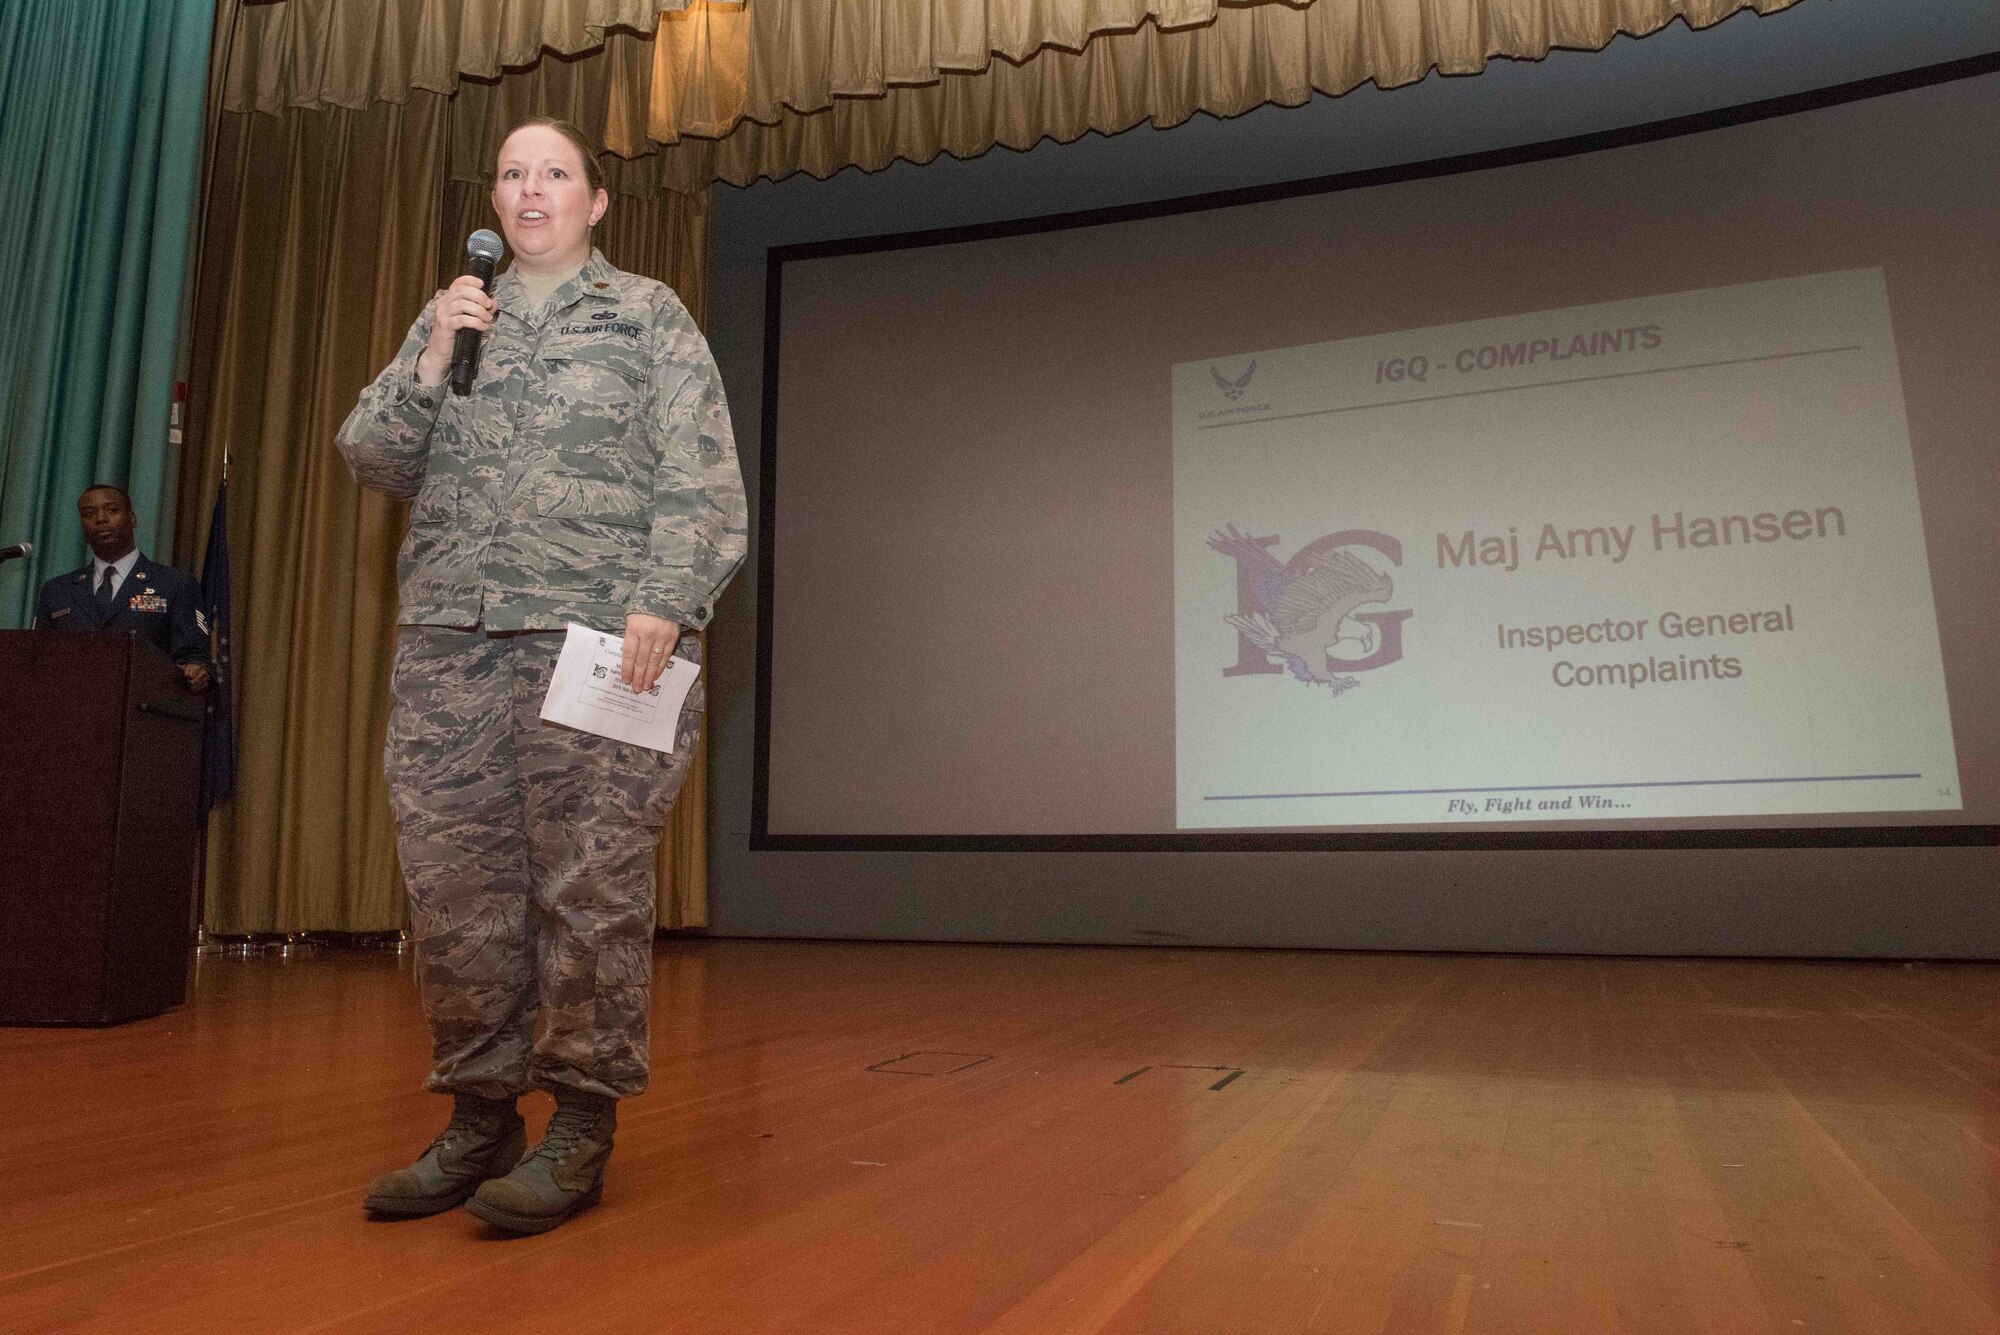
x=1302, y=608
x=1234, y=389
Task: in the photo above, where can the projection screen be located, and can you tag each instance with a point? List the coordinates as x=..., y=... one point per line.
x=1645, y=483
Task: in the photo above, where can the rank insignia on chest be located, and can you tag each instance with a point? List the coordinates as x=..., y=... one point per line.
x=147, y=602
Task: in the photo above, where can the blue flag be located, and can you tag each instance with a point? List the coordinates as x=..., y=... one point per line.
x=218, y=759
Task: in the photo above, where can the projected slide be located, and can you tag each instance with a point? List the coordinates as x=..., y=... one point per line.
x=1649, y=559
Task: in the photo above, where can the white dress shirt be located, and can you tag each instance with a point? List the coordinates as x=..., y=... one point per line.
x=123, y=565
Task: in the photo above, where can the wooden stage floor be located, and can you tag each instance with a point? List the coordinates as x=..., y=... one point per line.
x=906, y=1138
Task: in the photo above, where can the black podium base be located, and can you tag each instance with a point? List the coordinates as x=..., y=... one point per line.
x=100, y=751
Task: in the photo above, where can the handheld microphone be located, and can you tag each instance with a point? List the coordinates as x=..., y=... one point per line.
x=482, y=252
x=19, y=549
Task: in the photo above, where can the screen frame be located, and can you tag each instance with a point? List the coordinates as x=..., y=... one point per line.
x=1691, y=835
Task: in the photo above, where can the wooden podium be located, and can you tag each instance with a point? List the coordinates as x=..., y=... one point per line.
x=100, y=753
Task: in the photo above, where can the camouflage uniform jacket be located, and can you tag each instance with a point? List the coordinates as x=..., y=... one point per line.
x=590, y=473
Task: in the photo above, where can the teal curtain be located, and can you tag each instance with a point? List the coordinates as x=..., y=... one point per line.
x=101, y=106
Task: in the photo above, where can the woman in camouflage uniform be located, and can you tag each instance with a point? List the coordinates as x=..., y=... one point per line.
x=589, y=477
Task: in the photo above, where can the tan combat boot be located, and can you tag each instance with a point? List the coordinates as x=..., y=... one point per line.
x=484, y=1139
x=560, y=1176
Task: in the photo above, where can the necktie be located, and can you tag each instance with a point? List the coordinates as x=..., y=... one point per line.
x=104, y=589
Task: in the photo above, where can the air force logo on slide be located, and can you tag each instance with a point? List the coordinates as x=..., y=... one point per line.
x=1301, y=616
x=1234, y=389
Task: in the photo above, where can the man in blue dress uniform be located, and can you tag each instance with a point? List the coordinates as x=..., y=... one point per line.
x=121, y=589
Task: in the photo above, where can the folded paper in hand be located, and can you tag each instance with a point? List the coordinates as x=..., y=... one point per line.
x=586, y=692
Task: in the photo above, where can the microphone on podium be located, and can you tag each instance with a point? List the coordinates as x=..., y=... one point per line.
x=482, y=252
x=19, y=549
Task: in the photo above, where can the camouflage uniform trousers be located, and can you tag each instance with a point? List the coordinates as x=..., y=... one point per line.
x=528, y=851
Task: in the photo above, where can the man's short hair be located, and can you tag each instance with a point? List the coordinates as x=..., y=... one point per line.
x=105, y=486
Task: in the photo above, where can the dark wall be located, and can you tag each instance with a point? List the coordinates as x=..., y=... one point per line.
x=1932, y=902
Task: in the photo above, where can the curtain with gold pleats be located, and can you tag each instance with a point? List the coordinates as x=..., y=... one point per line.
x=321, y=246
x=732, y=91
